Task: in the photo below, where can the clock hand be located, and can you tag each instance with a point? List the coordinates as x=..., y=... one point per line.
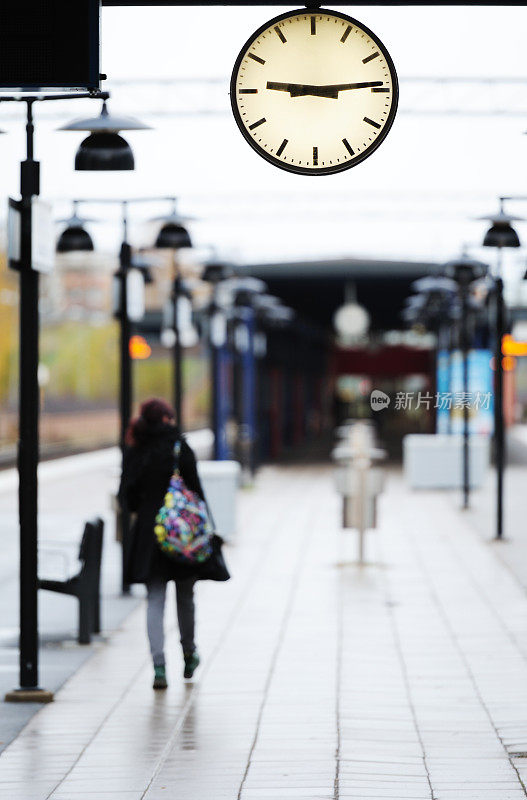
x=330, y=91
x=301, y=89
x=340, y=87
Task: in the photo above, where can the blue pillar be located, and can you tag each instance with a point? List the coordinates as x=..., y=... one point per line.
x=222, y=402
x=245, y=344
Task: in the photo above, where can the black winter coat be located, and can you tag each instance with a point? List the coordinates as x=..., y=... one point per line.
x=147, y=470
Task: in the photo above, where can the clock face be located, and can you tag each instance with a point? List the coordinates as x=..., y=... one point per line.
x=314, y=93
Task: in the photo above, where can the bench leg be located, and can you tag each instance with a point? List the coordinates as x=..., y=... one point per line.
x=85, y=619
x=96, y=612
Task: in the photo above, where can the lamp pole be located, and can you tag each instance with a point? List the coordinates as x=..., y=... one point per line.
x=244, y=333
x=245, y=389
x=499, y=427
x=28, y=445
x=219, y=366
x=215, y=273
x=174, y=236
x=464, y=271
x=28, y=441
x=177, y=354
x=501, y=234
x=465, y=353
x=125, y=367
x=215, y=345
x=125, y=379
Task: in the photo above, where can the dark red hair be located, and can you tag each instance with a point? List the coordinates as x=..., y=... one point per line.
x=152, y=413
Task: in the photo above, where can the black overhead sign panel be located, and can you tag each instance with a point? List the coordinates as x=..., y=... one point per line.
x=49, y=44
x=290, y=3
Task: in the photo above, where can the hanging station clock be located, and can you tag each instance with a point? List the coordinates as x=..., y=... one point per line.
x=314, y=92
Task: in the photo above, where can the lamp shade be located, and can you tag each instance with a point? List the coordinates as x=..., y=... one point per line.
x=216, y=271
x=501, y=234
x=104, y=149
x=465, y=270
x=144, y=266
x=105, y=123
x=173, y=235
x=432, y=283
x=281, y=314
x=73, y=239
x=410, y=315
x=265, y=301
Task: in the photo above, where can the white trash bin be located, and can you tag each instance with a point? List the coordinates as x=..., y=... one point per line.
x=220, y=481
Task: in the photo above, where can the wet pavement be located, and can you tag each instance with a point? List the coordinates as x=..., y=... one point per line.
x=404, y=678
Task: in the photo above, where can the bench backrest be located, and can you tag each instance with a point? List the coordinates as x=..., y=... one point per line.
x=90, y=552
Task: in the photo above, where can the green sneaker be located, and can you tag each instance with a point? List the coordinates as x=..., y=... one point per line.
x=191, y=663
x=160, y=677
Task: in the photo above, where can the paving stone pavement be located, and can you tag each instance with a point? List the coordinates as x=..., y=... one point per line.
x=404, y=678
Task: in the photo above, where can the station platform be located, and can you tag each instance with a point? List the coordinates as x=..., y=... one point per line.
x=404, y=678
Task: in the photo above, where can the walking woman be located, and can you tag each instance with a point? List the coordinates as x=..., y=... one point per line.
x=148, y=467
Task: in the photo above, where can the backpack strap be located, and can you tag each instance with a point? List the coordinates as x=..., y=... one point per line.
x=177, y=451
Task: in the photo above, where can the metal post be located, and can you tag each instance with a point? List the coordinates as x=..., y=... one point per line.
x=28, y=443
x=361, y=503
x=219, y=384
x=435, y=364
x=450, y=350
x=125, y=382
x=178, y=378
x=214, y=365
x=248, y=394
x=499, y=432
x=465, y=352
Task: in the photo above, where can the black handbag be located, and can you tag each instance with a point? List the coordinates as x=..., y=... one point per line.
x=214, y=568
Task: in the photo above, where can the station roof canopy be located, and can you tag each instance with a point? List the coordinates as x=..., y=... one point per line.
x=343, y=268
x=316, y=289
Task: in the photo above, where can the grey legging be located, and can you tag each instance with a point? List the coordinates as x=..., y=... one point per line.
x=155, y=612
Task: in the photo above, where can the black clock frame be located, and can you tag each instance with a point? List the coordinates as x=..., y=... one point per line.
x=297, y=169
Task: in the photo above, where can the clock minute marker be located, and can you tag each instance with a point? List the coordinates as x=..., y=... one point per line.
x=282, y=147
x=280, y=34
x=371, y=122
x=256, y=58
x=260, y=122
x=370, y=58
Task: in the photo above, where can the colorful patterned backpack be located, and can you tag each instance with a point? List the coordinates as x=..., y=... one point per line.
x=182, y=526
